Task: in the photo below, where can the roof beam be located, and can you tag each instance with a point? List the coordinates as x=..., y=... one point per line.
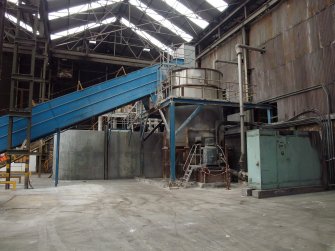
x=99, y=58
x=249, y=19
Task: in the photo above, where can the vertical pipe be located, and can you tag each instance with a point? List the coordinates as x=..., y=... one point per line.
x=239, y=50
x=57, y=158
x=330, y=136
x=245, y=58
x=100, y=122
x=245, y=65
x=172, y=142
x=240, y=87
x=269, y=115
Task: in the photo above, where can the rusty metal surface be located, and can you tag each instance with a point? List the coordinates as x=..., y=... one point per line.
x=299, y=37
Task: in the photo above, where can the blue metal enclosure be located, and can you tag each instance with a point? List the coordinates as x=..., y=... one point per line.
x=62, y=112
x=282, y=160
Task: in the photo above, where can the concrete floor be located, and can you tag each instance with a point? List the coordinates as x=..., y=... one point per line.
x=129, y=215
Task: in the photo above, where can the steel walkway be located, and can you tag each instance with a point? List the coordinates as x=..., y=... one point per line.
x=67, y=110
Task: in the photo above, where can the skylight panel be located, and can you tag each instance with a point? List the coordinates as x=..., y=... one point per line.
x=161, y=20
x=22, y=24
x=146, y=36
x=182, y=9
x=81, y=8
x=218, y=4
x=81, y=28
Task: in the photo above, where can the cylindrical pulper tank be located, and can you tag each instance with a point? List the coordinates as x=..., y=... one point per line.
x=197, y=84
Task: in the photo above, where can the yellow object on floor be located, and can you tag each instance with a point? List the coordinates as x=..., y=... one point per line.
x=13, y=183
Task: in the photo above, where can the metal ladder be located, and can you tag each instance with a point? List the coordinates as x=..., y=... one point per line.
x=189, y=166
x=132, y=115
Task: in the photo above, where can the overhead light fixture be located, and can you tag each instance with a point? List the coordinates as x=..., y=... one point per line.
x=92, y=41
x=146, y=49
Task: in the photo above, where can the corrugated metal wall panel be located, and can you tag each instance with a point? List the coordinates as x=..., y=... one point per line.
x=291, y=106
x=299, y=37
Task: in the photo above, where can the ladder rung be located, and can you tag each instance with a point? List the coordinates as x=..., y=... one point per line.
x=27, y=78
x=23, y=77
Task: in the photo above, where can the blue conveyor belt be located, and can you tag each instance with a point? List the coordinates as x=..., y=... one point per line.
x=73, y=108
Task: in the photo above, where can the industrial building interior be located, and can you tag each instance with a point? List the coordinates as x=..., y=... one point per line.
x=167, y=124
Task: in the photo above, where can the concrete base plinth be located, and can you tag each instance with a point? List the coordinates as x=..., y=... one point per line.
x=260, y=194
x=246, y=191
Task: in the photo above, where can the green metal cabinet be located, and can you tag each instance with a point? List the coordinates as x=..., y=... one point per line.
x=282, y=159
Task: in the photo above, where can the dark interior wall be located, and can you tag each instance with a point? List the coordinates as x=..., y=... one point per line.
x=88, y=73
x=299, y=37
x=24, y=63
x=5, y=82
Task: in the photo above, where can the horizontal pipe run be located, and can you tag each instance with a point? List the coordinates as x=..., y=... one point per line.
x=225, y=62
x=239, y=48
x=287, y=95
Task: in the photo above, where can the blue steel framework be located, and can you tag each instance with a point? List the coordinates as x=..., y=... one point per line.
x=171, y=102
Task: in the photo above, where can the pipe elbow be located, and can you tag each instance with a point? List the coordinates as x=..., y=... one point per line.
x=238, y=49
